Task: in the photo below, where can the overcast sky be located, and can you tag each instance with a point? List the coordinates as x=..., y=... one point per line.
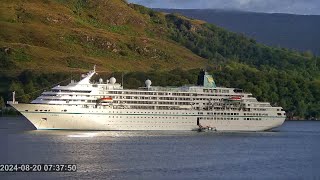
x=270, y=6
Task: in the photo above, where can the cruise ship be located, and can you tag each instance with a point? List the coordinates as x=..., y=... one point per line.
x=106, y=105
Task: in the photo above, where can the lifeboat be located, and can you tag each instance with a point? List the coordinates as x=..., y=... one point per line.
x=235, y=98
x=105, y=100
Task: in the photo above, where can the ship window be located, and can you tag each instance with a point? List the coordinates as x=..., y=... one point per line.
x=65, y=110
x=36, y=110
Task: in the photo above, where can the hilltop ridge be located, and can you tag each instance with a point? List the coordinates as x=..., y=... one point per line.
x=299, y=32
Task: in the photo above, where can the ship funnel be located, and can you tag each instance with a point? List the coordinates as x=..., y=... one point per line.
x=206, y=80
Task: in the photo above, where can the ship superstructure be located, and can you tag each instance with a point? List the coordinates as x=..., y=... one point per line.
x=105, y=105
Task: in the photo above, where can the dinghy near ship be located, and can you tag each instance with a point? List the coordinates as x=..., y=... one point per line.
x=105, y=105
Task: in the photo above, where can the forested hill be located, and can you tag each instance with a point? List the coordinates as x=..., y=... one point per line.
x=43, y=42
x=299, y=32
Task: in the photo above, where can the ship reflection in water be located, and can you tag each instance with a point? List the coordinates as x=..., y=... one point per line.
x=288, y=152
x=83, y=135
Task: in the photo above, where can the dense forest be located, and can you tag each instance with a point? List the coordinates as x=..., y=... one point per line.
x=299, y=32
x=281, y=76
x=299, y=97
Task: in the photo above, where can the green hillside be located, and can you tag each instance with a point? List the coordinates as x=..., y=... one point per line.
x=43, y=42
x=75, y=35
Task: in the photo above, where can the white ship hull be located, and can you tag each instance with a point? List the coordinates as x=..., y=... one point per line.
x=77, y=118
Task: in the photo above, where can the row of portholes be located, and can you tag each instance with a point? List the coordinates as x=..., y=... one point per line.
x=150, y=112
x=148, y=117
x=255, y=114
x=151, y=122
x=228, y=114
x=40, y=110
x=227, y=118
x=140, y=127
x=252, y=118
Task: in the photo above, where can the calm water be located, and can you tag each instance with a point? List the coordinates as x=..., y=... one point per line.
x=289, y=152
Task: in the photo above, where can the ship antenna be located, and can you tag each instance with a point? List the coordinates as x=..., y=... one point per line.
x=13, y=97
x=122, y=79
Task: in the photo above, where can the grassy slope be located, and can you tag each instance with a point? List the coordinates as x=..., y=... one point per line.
x=74, y=35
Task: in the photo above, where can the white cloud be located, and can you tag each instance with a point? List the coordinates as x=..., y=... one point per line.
x=244, y=2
